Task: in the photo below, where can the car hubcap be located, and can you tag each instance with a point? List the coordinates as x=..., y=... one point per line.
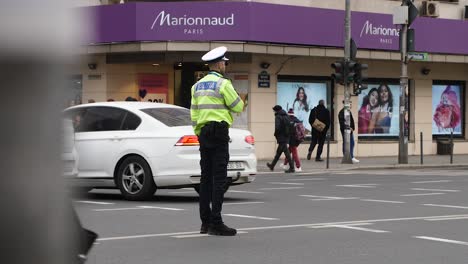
x=133, y=178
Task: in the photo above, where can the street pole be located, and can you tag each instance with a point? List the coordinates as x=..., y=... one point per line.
x=403, y=136
x=347, y=94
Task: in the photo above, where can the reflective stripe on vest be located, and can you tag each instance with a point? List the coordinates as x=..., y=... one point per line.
x=208, y=106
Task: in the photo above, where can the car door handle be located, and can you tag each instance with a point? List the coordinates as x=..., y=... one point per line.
x=116, y=138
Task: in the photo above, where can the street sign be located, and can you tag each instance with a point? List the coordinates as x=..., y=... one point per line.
x=264, y=80
x=418, y=56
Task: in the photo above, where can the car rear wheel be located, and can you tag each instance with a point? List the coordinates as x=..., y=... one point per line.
x=135, y=180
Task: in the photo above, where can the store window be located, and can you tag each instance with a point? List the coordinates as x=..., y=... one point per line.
x=447, y=108
x=302, y=94
x=378, y=115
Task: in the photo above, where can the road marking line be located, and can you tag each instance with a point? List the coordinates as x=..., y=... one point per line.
x=421, y=194
x=280, y=188
x=433, y=190
x=432, y=181
x=235, y=191
x=139, y=208
x=443, y=240
x=328, y=226
x=448, y=206
x=328, y=198
x=92, y=202
x=287, y=183
x=359, y=228
x=310, y=179
x=203, y=235
x=447, y=218
x=243, y=203
x=251, y=216
x=382, y=201
x=282, y=227
x=370, y=185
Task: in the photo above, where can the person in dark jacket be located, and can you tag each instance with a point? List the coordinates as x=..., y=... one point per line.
x=293, y=142
x=321, y=113
x=351, y=127
x=282, y=123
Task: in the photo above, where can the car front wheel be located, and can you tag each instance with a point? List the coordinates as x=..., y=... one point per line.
x=135, y=180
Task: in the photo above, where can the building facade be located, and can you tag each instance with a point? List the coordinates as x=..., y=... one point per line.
x=151, y=50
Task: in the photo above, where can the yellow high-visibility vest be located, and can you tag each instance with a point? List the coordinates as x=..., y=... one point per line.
x=213, y=99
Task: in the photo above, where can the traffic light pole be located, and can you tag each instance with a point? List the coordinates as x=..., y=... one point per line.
x=347, y=93
x=403, y=136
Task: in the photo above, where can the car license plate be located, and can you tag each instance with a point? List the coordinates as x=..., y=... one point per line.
x=235, y=165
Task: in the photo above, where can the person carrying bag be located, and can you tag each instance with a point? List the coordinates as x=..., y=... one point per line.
x=319, y=119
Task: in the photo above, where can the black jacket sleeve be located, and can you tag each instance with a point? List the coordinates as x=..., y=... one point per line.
x=312, y=116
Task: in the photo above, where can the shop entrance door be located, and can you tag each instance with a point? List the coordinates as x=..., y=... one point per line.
x=190, y=73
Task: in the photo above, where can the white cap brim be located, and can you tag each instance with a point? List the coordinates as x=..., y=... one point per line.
x=216, y=54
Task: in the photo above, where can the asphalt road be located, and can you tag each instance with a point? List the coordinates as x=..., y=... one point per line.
x=374, y=217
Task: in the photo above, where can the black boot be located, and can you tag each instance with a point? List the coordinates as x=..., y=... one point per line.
x=271, y=166
x=308, y=155
x=204, y=228
x=290, y=170
x=221, y=230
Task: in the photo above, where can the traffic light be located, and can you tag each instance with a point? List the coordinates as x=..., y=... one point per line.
x=351, y=71
x=360, y=75
x=360, y=72
x=358, y=87
x=338, y=76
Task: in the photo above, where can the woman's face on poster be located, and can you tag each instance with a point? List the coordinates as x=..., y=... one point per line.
x=444, y=99
x=384, y=94
x=300, y=94
x=374, y=99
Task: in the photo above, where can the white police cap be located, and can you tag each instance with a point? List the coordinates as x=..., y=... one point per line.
x=216, y=54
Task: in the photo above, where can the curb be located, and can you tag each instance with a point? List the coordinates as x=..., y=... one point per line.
x=377, y=167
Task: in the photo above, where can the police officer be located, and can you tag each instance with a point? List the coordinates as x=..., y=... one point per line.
x=213, y=99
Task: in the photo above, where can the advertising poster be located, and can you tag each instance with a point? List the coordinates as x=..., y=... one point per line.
x=378, y=114
x=446, y=110
x=153, y=87
x=301, y=97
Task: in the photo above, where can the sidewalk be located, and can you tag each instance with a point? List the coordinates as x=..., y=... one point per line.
x=391, y=162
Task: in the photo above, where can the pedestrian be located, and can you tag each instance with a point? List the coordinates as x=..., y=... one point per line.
x=321, y=116
x=282, y=131
x=294, y=141
x=213, y=100
x=351, y=128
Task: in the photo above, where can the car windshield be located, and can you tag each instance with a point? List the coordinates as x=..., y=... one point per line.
x=170, y=116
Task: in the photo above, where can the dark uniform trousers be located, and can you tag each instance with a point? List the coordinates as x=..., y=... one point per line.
x=214, y=152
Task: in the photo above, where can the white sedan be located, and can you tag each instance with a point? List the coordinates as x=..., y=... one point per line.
x=139, y=147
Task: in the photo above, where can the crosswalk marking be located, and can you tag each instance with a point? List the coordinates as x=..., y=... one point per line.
x=287, y=183
x=433, y=190
x=433, y=181
x=359, y=228
x=421, y=194
x=280, y=188
x=251, y=216
x=448, y=206
x=443, y=240
x=381, y=201
x=202, y=235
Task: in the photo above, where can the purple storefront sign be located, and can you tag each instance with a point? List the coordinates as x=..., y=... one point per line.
x=258, y=22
